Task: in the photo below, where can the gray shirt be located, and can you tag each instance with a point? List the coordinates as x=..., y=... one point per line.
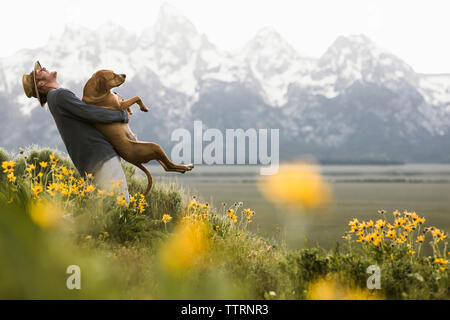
x=87, y=147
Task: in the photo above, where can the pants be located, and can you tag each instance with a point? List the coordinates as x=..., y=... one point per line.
x=111, y=173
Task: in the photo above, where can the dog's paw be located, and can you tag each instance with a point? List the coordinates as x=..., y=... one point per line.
x=144, y=108
x=190, y=166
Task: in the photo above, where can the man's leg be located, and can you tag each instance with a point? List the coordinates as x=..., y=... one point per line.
x=109, y=173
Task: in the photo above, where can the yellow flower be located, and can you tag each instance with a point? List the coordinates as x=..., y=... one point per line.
x=298, y=185
x=441, y=237
x=399, y=222
x=420, y=238
x=45, y=214
x=407, y=227
x=391, y=234
x=396, y=213
x=53, y=159
x=232, y=215
x=440, y=261
x=354, y=222
x=187, y=247
x=330, y=289
x=43, y=164
x=121, y=201
x=64, y=170
x=217, y=228
x=380, y=224
x=90, y=188
x=411, y=252
x=37, y=190
x=11, y=177
x=166, y=218
x=101, y=192
x=40, y=174
x=438, y=234
x=193, y=204
x=381, y=211
x=8, y=166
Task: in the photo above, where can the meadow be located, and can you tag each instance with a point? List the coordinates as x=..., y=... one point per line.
x=359, y=191
x=179, y=243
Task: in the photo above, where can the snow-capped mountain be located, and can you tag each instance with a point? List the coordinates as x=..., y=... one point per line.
x=356, y=100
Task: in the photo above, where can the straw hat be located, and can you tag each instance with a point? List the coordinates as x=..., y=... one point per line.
x=30, y=85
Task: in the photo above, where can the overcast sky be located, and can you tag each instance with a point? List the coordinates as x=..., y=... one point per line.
x=418, y=31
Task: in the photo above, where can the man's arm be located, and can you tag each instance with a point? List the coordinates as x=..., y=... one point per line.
x=72, y=106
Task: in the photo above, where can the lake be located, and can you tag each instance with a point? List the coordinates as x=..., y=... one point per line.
x=359, y=191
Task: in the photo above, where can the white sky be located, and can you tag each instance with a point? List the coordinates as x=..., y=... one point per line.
x=418, y=31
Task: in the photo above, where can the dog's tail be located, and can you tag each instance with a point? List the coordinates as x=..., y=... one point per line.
x=149, y=178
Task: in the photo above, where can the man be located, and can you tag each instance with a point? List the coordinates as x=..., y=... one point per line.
x=88, y=148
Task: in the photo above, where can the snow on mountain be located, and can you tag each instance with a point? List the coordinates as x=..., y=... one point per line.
x=274, y=63
x=169, y=48
x=435, y=89
x=356, y=57
x=174, y=57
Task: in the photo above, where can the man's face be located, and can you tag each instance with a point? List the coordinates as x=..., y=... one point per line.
x=44, y=76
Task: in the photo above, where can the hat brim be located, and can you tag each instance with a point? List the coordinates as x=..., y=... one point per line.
x=37, y=67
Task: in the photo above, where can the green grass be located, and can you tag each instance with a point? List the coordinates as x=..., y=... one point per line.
x=119, y=250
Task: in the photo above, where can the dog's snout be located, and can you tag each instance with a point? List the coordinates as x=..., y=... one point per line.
x=124, y=75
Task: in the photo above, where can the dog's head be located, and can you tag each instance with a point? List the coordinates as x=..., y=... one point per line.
x=106, y=80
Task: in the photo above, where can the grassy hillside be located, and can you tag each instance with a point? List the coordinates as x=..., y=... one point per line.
x=171, y=245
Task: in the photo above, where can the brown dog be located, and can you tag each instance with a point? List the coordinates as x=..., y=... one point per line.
x=97, y=91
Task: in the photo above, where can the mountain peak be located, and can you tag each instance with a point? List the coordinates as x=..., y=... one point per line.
x=267, y=31
x=268, y=37
x=169, y=10
x=171, y=20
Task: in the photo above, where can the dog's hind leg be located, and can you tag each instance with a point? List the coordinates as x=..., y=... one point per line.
x=147, y=151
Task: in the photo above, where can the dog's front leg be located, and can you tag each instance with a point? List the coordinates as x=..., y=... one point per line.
x=127, y=103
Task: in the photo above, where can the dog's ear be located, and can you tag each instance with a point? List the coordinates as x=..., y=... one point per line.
x=101, y=84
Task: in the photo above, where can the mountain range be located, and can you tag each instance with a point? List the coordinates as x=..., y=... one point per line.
x=357, y=102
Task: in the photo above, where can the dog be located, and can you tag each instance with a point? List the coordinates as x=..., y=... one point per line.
x=97, y=91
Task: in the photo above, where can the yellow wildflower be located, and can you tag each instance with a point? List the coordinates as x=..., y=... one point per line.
x=53, y=159
x=90, y=188
x=45, y=214
x=193, y=204
x=43, y=164
x=440, y=261
x=188, y=246
x=37, y=190
x=380, y=224
x=354, y=222
x=396, y=213
x=11, y=177
x=8, y=166
x=391, y=234
x=299, y=186
x=166, y=218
